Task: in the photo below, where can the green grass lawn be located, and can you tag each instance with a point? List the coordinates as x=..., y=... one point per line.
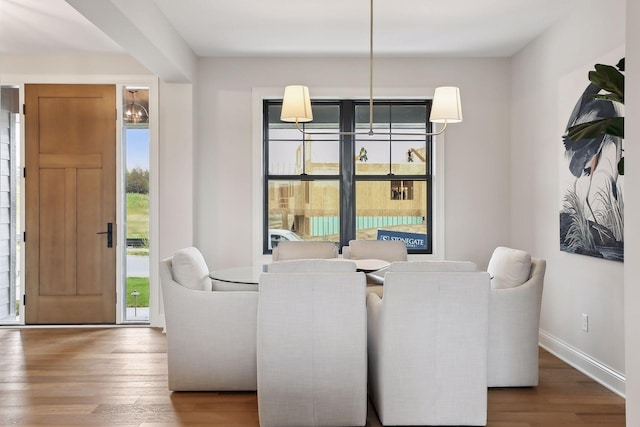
x=137, y=215
x=140, y=284
x=138, y=227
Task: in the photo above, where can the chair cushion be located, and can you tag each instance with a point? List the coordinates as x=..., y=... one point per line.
x=508, y=267
x=190, y=269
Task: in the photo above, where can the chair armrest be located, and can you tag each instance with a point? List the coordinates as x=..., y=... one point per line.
x=374, y=310
x=346, y=252
x=374, y=346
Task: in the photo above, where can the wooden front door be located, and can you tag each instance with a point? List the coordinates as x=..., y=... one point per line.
x=70, y=198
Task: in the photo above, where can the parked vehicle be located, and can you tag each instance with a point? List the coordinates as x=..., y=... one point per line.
x=277, y=235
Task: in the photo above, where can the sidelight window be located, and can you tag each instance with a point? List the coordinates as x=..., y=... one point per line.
x=135, y=143
x=10, y=240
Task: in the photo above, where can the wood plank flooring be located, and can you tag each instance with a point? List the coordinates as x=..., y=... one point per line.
x=118, y=377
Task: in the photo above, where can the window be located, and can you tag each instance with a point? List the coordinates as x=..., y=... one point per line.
x=136, y=159
x=338, y=188
x=10, y=173
x=401, y=190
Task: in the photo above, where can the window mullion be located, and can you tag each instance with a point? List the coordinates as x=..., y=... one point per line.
x=347, y=174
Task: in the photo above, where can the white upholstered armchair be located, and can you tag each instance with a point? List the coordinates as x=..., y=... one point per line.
x=514, y=317
x=312, y=349
x=211, y=336
x=427, y=345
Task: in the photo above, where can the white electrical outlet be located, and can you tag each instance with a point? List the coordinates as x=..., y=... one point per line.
x=585, y=322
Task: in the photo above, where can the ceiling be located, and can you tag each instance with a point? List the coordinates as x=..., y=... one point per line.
x=296, y=27
x=40, y=27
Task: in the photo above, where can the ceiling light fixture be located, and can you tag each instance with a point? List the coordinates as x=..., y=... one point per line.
x=445, y=106
x=135, y=112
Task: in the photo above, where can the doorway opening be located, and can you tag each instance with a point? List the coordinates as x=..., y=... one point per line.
x=133, y=218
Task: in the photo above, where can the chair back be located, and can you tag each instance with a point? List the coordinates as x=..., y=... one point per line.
x=432, y=266
x=388, y=250
x=428, y=344
x=333, y=265
x=538, y=269
x=288, y=250
x=312, y=349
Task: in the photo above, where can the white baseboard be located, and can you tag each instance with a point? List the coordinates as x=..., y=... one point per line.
x=584, y=363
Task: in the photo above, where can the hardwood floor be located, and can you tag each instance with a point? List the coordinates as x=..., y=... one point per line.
x=118, y=377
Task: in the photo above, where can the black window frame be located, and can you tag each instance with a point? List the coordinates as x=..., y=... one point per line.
x=347, y=176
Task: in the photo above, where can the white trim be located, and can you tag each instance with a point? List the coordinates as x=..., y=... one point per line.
x=257, y=96
x=119, y=81
x=154, y=205
x=260, y=94
x=161, y=323
x=8, y=79
x=23, y=195
x=120, y=237
x=439, y=200
x=154, y=287
x=610, y=378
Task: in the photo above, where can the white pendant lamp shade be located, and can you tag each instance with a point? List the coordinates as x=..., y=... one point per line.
x=296, y=105
x=446, y=106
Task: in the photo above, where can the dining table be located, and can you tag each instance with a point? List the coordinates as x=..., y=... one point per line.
x=250, y=275
x=240, y=275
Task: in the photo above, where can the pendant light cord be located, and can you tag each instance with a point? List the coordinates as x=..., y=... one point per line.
x=371, y=132
x=371, y=68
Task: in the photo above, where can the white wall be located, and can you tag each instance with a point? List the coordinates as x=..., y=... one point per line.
x=175, y=187
x=632, y=210
x=477, y=150
x=574, y=284
x=51, y=65
x=176, y=157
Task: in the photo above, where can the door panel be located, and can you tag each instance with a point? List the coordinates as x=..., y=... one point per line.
x=52, y=234
x=70, y=198
x=89, y=247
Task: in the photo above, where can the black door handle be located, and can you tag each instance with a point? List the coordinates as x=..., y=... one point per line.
x=109, y=234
